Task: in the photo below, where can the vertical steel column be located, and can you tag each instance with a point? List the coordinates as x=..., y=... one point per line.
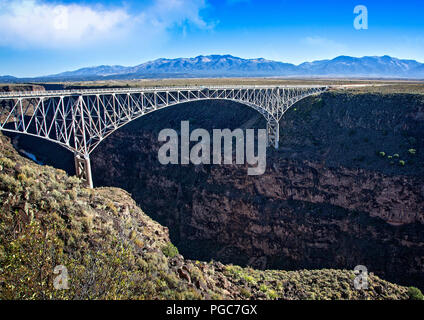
x=83, y=169
x=273, y=133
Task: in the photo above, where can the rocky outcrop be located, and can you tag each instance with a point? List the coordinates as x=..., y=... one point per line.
x=395, y=199
x=21, y=87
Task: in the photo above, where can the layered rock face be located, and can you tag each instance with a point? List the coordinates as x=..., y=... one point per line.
x=345, y=188
x=113, y=250
x=327, y=199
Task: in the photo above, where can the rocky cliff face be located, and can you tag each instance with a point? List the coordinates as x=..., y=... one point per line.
x=346, y=188
x=328, y=198
x=113, y=250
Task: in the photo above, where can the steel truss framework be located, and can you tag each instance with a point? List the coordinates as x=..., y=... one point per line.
x=80, y=119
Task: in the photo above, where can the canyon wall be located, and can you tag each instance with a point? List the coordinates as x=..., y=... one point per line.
x=345, y=188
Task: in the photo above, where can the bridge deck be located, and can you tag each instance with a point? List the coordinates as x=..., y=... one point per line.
x=87, y=92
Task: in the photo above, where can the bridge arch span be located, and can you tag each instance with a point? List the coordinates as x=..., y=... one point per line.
x=80, y=120
x=264, y=114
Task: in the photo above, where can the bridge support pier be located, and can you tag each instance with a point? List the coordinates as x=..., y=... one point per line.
x=83, y=169
x=273, y=133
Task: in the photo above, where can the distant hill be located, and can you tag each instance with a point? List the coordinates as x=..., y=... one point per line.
x=230, y=66
x=7, y=79
x=215, y=65
x=386, y=67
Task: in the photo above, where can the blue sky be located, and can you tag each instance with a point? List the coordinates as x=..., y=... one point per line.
x=40, y=37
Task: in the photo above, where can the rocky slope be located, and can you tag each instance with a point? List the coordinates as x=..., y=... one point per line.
x=112, y=250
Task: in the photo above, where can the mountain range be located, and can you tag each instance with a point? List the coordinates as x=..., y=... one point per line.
x=230, y=66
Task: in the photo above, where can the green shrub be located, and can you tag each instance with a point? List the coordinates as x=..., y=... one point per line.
x=9, y=183
x=402, y=163
x=272, y=294
x=245, y=293
x=170, y=250
x=382, y=154
x=7, y=163
x=263, y=288
x=112, y=207
x=415, y=294
x=249, y=279
x=412, y=151
x=234, y=271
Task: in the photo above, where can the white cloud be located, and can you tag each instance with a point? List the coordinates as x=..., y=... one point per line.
x=38, y=23
x=169, y=12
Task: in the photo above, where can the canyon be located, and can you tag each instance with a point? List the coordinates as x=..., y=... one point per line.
x=345, y=188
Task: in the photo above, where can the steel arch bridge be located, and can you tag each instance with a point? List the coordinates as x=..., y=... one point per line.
x=80, y=119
